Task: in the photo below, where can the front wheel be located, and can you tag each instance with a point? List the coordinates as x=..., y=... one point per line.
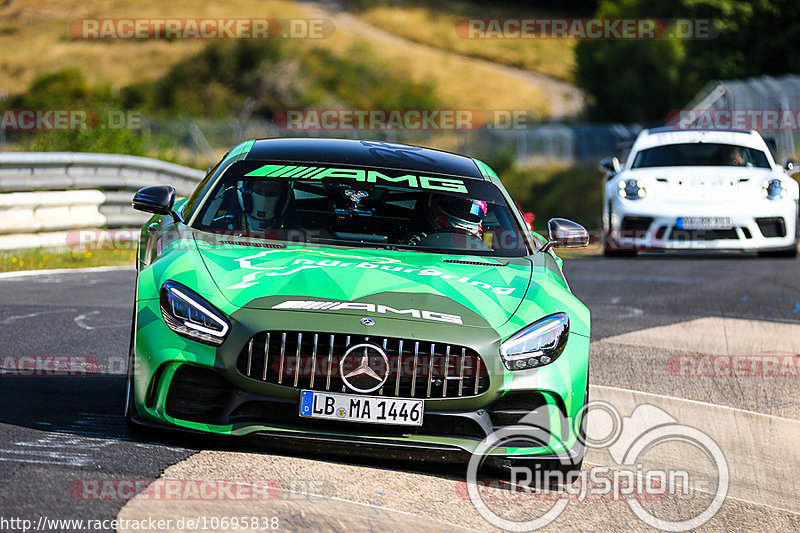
x=618, y=253
x=130, y=407
x=130, y=401
x=611, y=247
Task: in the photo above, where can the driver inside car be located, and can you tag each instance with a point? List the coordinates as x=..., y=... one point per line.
x=265, y=204
x=454, y=214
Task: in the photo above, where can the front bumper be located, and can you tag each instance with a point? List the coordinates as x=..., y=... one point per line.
x=647, y=225
x=183, y=384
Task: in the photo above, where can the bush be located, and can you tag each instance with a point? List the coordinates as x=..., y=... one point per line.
x=68, y=90
x=557, y=190
x=112, y=141
x=240, y=78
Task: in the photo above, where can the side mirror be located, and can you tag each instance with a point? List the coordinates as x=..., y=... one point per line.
x=157, y=199
x=565, y=233
x=610, y=165
x=790, y=166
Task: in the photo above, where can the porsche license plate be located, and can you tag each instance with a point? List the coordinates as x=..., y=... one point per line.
x=353, y=408
x=700, y=223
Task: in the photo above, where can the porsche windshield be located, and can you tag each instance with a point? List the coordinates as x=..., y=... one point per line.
x=700, y=154
x=361, y=207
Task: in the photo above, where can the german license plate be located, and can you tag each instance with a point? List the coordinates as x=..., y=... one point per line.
x=353, y=408
x=700, y=223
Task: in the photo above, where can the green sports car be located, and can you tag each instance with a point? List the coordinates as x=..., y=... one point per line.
x=364, y=293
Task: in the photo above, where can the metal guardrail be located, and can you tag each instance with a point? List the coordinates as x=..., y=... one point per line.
x=44, y=195
x=51, y=171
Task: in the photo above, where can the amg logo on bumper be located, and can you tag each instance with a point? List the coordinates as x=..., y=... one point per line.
x=317, y=305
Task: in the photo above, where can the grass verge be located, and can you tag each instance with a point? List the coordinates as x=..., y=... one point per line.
x=29, y=26
x=44, y=258
x=436, y=26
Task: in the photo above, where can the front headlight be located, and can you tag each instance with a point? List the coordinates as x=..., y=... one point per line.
x=189, y=315
x=773, y=189
x=631, y=189
x=536, y=345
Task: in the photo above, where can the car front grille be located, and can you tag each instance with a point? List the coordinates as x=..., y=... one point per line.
x=703, y=235
x=311, y=361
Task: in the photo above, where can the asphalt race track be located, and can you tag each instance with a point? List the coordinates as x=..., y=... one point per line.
x=668, y=334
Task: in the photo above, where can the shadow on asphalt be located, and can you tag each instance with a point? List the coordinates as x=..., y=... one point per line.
x=92, y=406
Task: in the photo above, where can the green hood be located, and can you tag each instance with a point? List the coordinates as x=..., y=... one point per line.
x=484, y=292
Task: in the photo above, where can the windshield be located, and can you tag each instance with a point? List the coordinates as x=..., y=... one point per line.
x=700, y=154
x=361, y=207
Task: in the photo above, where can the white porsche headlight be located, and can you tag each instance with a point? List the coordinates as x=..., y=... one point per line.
x=773, y=189
x=536, y=345
x=631, y=189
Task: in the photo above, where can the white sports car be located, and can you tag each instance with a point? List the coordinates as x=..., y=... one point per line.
x=700, y=190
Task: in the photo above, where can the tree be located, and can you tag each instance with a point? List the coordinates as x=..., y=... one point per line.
x=642, y=80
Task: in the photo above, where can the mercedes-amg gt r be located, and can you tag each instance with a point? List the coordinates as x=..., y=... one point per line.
x=361, y=293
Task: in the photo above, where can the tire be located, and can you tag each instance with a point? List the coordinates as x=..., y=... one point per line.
x=611, y=249
x=618, y=253
x=130, y=406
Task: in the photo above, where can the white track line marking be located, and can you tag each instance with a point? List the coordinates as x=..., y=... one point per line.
x=714, y=335
x=696, y=402
x=370, y=505
x=11, y=319
x=740, y=434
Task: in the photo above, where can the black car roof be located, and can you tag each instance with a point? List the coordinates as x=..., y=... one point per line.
x=363, y=153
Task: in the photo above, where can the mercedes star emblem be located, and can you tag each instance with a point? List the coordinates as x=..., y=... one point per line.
x=372, y=368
